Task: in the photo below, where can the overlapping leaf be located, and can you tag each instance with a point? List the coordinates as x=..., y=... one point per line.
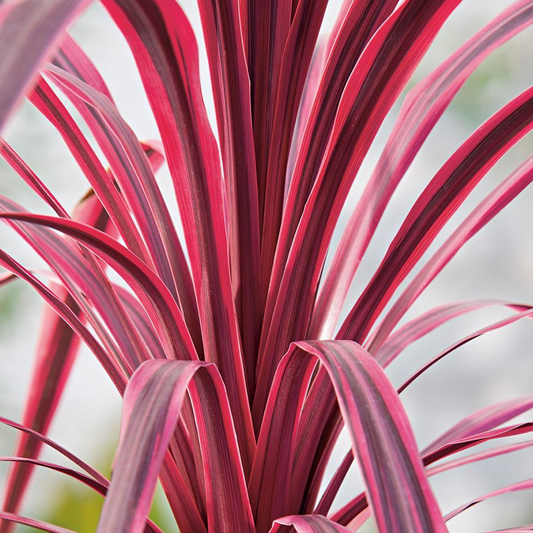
x=296, y=115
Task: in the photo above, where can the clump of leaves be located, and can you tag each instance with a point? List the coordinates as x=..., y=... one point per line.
x=236, y=379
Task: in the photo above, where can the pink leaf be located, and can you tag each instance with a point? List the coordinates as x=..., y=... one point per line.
x=295, y=63
x=306, y=524
x=231, y=89
x=165, y=49
x=152, y=405
x=421, y=110
x=57, y=348
x=437, y=203
x=377, y=424
x=381, y=73
x=29, y=32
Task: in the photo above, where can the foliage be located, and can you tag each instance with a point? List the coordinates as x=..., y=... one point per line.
x=235, y=375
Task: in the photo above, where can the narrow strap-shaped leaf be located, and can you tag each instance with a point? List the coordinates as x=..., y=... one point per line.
x=309, y=93
x=142, y=321
x=98, y=487
x=505, y=193
x=428, y=322
x=475, y=433
x=170, y=321
x=181, y=501
x=421, y=110
x=89, y=287
x=326, y=500
x=114, y=371
x=320, y=416
x=152, y=407
x=360, y=21
x=29, y=32
x=515, y=487
x=479, y=456
x=72, y=59
x=149, y=288
x=156, y=223
x=297, y=57
x=481, y=421
x=377, y=424
x=265, y=27
x=492, y=327
x=70, y=456
x=437, y=203
x=133, y=172
x=522, y=529
x=485, y=419
x=57, y=348
x=475, y=439
x=47, y=102
x=306, y=524
x=349, y=364
x=27, y=174
x=335, y=483
x=382, y=71
x=74, y=474
x=357, y=508
x=231, y=89
x=35, y=524
x=166, y=52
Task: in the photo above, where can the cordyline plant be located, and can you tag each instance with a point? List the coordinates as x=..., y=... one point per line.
x=235, y=375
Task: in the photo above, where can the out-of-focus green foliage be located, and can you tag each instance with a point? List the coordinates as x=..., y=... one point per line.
x=78, y=507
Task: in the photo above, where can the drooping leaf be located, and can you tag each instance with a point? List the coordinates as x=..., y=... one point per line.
x=149, y=288
x=57, y=348
x=475, y=429
x=377, y=424
x=306, y=524
x=152, y=407
x=115, y=372
x=428, y=322
x=515, y=487
x=31, y=522
x=29, y=32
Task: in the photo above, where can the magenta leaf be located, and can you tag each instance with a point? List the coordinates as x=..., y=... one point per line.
x=231, y=90
x=152, y=406
x=306, y=524
x=165, y=49
x=378, y=427
x=29, y=32
x=421, y=110
x=382, y=71
x=57, y=348
x=515, y=487
x=437, y=203
x=233, y=399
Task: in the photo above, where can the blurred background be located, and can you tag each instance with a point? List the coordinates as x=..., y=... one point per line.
x=497, y=263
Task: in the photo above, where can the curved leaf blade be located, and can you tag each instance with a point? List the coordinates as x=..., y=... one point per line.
x=153, y=401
